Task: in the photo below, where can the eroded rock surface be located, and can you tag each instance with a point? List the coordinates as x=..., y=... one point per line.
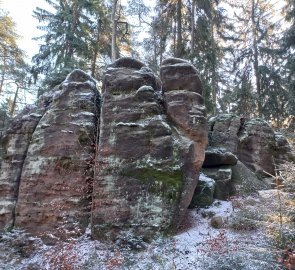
x=147, y=166
x=56, y=180
x=251, y=140
x=15, y=142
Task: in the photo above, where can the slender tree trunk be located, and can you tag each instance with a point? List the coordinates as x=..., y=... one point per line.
x=114, y=30
x=73, y=28
x=214, y=63
x=3, y=73
x=179, y=44
x=256, y=61
x=2, y=82
x=14, y=100
x=193, y=27
x=174, y=39
x=95, y=51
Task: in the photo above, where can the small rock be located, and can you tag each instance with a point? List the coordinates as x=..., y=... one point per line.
x=217, y=222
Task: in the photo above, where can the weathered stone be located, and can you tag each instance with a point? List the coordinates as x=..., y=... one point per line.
x=178, y=74
x=223, y=132
x=283, y=150
x=56, y=178
x=204, y=192
x=142, y=148
x=217, y=222
x=15, y=143
x=256, y=147
x=146, y=169
x=219, y=156
x=251, y=140
x=222, y=175
x=124, y=80
x=245, y=180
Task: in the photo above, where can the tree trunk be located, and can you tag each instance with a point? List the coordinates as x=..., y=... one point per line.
x=14, y=100
x=114, y=31
x=95, y=50
x=193, y=27
x=3, y=72
x=256, y=63
x=214, y=64
x=179, y=44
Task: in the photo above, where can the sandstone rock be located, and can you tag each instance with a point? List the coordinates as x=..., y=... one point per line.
x=15, y=143
x=217, y=222
x=138, y=179
x=218, y=156
x=204, y=192
x=251, y=140
x=178, y=74
x=256, y=147
x=56, y=178
x=223, y=132
x=222, y=175
x=146, y=169
x=283, y=150
x=245, y=180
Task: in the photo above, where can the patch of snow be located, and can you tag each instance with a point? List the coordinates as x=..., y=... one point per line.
x=66, y=131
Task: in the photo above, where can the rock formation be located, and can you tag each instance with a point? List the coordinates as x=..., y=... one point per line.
x=129, y=163
x=148, y=162
x=241, y=151
x=126, y=161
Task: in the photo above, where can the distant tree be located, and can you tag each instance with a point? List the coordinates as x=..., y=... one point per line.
x=253, y=48
x=288, y=45
x=13, y=69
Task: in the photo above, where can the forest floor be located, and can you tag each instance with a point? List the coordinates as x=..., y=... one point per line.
x=257, y=232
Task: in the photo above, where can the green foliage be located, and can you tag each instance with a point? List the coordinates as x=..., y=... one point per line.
x=13, y=69
x=75, y=37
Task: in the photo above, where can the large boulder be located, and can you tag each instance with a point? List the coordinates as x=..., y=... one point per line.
x=224, y=186
x=283, y=150
x=178, y=74
x=147, y=167
x=256, y=148
x=246, y=181
x=125, y=163
x=251, y=140
x=204, y=192
x=224, y=132
x=56, y=178
x=218, y=157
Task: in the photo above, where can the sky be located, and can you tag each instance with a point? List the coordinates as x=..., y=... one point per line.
x=21, y=12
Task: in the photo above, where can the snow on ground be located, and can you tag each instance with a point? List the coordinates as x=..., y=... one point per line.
x=195, y=246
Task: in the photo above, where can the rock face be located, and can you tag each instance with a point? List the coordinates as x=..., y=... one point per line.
x=251, y=140
x=46, y=176
x=129, y=163
x=147, y=167
x=240, y=152
x=219, y=156
x=256, y=147
x=204, y=192
x=223, y=132
x=15, y=143
x=56, y=176
x=283, y=150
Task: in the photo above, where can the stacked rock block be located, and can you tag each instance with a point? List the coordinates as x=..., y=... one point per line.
x=241, y=152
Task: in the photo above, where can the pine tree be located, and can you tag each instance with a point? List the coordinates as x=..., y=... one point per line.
x=253, y=47
x=288, y=46
x=75, y=36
